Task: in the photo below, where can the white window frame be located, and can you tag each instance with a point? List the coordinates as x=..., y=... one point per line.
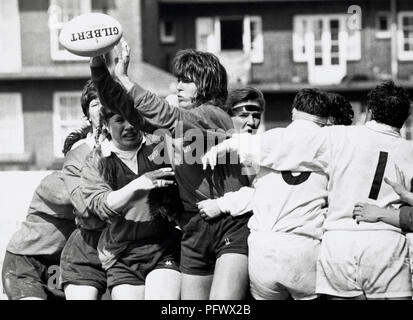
x=163, y=36
x=213, y=42
x=17, y=123
x=10, y=39
x=299, y=41
x=58, y=122
x=257, y=55
x=54, y=29
x=379, y=33
x=402, y=54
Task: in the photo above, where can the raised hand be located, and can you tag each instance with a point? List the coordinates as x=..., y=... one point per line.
x=400, y=186
x=122, y=51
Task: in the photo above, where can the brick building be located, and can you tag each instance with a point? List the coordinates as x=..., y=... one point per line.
x=281, y=46
x=40, y=82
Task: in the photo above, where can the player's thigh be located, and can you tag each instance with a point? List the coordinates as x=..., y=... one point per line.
x=195, y=287
x=163, y=284
x=271, y=254
x=128, y=292
x=21, y=277
x=385, y=264
x=230, y=277
x=81, y=292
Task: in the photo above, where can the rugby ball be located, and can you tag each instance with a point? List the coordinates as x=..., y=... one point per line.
x=90, y=34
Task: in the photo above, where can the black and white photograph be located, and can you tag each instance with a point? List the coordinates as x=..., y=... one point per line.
x=224, y=150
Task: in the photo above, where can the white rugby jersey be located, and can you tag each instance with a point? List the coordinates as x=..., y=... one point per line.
x=283, y=201
x=356, y=159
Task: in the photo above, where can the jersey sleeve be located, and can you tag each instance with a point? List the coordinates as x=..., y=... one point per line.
x=71, y=177
x=238, y=202
x=145, y=109
x=114, y=97
x=280, y=150
x=95, y=190
x=406, y=218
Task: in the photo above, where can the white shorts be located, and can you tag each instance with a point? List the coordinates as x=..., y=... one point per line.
x=372, y=263
x=409, y=238
x=282, y=264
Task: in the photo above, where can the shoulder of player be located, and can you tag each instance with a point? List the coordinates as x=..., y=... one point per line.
x=214, y=115
x=80, y=151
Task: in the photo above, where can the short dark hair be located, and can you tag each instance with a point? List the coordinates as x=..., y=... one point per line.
x=89, y=93
x=244, y=94
x=312, y=101
x=340, y=109
x=389, y=104
x=208, y=74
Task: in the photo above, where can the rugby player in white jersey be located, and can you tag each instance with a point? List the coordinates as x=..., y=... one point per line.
x=286, y=227
x=357, y=260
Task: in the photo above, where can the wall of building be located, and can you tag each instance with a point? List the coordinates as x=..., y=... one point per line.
x=37, y=97
x=277, y=18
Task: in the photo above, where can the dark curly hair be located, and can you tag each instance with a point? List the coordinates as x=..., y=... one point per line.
x=340, y=109
x=389, y=104
x=89, y=93
x=208, y=74
x=244, y=94
x=74, y=137
x=312, y=101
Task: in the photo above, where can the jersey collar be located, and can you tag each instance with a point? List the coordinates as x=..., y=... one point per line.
x=383, y=128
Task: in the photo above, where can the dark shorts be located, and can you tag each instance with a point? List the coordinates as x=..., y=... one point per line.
x=138, y=260
x=204, y=242
x=31, y=277
x=80, y=264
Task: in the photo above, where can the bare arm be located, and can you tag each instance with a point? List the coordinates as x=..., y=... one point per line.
x=371, y=213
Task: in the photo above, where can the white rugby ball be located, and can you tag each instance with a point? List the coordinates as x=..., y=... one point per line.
x=90, y=34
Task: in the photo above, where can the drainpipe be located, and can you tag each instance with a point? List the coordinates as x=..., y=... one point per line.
x=394, y=36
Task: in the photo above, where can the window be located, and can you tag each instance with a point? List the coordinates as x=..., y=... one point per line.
x=231, y=34
x=405, y=38
x=167, y=29
x=67, y=115
x=60, y=12
x=11, y=124
x=256, y=39
x=383, y=25
x=220, y=34
x=310, y=36
x=10, y=40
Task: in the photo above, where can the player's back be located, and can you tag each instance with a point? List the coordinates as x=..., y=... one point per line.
x=286, y=201
x=360, y=158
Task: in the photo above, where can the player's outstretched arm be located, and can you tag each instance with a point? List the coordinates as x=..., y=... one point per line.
x=235, y=203
x=400, y=218
x=118, y=199
x=209, y=209
x=371, y=213
x=210, y=158
x=111, y=93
